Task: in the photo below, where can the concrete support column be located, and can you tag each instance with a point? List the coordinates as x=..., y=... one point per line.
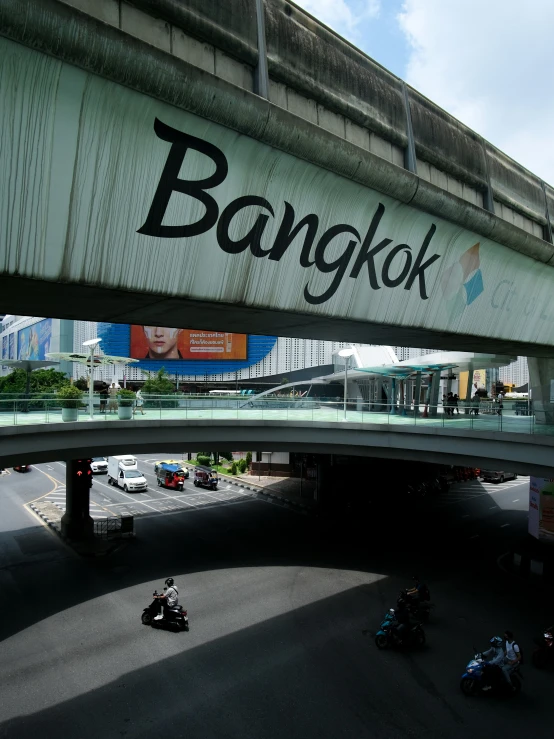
x=409, y=385
x=417, y=393
x=541, y=385
x=393, y=395
x=403, y=397
x=379, y=394
x=76, y=522
x=355, y=391
x=466, y=391
x=434, y=393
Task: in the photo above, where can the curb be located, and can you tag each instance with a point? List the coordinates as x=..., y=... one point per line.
x=525, y=568
x=286, y=502
x=54, y=525
x=278, y=499
x=56, y=528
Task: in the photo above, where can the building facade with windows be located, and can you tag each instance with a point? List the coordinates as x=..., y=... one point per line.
x=273, y=358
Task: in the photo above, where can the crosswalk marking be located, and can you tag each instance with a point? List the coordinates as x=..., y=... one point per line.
x=461, y=492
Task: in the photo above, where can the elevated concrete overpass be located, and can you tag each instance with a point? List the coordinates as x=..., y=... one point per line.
x=520, y=452
x=237, y=166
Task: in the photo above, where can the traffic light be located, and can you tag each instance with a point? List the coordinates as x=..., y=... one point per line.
x=82, y=474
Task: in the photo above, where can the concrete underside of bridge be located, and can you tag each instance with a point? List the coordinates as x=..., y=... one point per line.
x=89, y=302
x=520, y=453
x=79, y=245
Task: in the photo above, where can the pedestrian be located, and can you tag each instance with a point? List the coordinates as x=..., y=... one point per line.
x=475, y=404
x=450, y=403
x=103, y=397
x=139, y=402
x=500, y=399
x=455, y=404
x=112, y=392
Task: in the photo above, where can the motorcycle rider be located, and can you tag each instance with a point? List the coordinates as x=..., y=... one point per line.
x=169, y=599
x=513, y=656
x=420, y=590
x=402, y=618
x=495, y=657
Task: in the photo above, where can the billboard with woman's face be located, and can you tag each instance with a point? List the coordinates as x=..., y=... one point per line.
x=164, y=343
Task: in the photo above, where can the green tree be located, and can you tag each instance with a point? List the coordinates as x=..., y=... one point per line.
x=234, y=468
x=248, y=458
x=42, y=381
x=160, y=384
x=242, y=466
x=204, y=460
x=226, y=455
x=81, y=383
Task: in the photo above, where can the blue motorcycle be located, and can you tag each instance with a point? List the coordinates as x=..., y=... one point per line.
x=414, y=636
x=482, y=677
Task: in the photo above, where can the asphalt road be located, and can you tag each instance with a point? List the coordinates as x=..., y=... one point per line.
x=282, y=610
x=109, y=500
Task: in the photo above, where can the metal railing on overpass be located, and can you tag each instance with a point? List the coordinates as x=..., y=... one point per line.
x=487, y=417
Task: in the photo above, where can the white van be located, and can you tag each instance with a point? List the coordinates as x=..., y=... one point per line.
x=124, y=473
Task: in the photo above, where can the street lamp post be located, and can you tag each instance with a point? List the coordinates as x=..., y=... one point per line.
x=346, y=354
x=92, y=343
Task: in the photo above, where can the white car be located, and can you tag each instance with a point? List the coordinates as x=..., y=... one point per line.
x=99, y=466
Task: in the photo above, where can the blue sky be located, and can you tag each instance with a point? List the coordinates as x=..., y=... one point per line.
x=487, y=62
x=372, y=26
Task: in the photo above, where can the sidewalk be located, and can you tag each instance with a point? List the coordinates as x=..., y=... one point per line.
x=291, y=490
x=94, y=547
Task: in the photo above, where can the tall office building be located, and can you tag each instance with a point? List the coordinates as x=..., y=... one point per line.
x=517, y=372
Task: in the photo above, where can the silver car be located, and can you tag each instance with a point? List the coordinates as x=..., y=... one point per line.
x=497, y=475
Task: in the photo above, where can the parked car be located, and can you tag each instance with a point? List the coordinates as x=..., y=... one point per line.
x=178, y=462
x=497, y=475
x=22, y=468
x=99, y=466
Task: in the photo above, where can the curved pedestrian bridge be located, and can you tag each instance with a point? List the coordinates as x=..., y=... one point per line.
x=168, y=408
x=515, y=443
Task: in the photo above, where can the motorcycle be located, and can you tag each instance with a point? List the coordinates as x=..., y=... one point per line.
x=543, y=656
x=386, y=636
x=480, y=675
x=419, y=609
x=175, y=616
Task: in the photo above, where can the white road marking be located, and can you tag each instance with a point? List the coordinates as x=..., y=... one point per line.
x=516, y=500
x=504, y=525
x=475, y=536
x=493, y=508
x=465, y=515
x=120, y=492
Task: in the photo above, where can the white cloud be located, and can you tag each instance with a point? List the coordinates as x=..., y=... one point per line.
x=490, y=65
x=343, y=16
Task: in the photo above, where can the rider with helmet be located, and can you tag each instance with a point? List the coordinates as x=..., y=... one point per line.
x=495, y=658
x=169, y=599
x=419, y=590
x=402, y=619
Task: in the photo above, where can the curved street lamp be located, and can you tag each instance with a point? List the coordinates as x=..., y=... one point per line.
x=93, y=343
